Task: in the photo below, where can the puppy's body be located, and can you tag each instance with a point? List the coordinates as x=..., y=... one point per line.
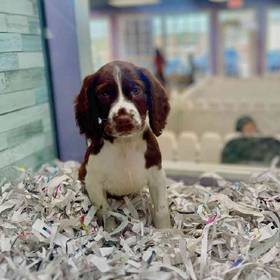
x=123, y=155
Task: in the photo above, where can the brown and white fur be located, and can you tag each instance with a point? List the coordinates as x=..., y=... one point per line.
x=121, y=109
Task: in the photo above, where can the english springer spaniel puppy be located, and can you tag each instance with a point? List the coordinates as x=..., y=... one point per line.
x=121, y=109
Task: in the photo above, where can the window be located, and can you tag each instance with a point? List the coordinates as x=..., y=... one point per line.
x=273, y=41
x=157, y=31
x=184, y=36
x=238, y=41
x=135, y=43
x=178, y=36
x=100, y=37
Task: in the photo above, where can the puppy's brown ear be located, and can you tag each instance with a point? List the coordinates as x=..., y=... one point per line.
x=157, y=101
x=86, y=109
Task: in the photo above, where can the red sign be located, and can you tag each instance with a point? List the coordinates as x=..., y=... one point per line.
x=235, y=4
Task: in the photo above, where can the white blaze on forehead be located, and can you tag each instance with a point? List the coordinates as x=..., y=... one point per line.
x=117, y=74
x=122, y=101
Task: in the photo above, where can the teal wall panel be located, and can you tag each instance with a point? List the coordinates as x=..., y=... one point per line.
x=17, y=100
x=33, y=161
x=19, y=24
x=22, y=117
x=13, y=42
x=26, y=130
x=22, y=79
x=21, y=7
x=20, y=60
x=41, y=95
x=19, y=135
x=8, y=61
x=31, y=43
x=10, y=42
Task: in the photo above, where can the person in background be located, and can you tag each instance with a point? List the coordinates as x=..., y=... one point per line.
x=191, y=75
x=160, y=63
x=247, y=126
x=250, y=147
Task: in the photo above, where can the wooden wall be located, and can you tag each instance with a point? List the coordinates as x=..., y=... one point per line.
x=26, y=134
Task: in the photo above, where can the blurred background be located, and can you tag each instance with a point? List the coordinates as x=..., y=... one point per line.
x=218, y=59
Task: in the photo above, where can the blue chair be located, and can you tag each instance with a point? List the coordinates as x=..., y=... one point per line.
x=202, y=63
x=273, y=61
x=231, y=59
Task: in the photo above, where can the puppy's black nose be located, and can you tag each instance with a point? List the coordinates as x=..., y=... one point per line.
x=122, y=111
x=123, y=120
x=123, y=123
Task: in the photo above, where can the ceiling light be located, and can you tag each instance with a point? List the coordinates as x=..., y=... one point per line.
x=127, y=3
x=218, y=1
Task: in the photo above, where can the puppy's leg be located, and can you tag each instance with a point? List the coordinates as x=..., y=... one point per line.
x=98, y=196
x=157, y=187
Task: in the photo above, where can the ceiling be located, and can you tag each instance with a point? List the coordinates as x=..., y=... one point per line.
x=101, y=4
x=168, y=5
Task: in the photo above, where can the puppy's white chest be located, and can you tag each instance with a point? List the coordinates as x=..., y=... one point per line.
x=119, y=167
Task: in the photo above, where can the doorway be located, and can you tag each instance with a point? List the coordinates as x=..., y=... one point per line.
x=237, y=43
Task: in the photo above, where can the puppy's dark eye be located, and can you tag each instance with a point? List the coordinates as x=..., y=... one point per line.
x=135, y=91
x=105, y=94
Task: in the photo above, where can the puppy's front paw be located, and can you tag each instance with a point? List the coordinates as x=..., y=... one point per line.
x=107, y=221
x=161, y=220
x=100, y=217
x=110, y=224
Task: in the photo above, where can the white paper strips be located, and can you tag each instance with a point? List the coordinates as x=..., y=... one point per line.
x=49, y=230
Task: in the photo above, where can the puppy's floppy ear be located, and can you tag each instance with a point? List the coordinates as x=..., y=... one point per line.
x=86, y=109
x=157, y=101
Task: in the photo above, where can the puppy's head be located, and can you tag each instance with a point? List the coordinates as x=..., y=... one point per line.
x=116, y=100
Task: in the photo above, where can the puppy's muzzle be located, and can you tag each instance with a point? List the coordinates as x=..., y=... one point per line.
x=124, y=123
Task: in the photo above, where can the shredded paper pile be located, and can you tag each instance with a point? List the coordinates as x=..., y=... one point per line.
x=49, y=230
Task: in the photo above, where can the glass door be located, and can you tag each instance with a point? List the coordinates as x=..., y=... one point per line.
x=273, y=41
x=237, y=43
x=136, y=39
